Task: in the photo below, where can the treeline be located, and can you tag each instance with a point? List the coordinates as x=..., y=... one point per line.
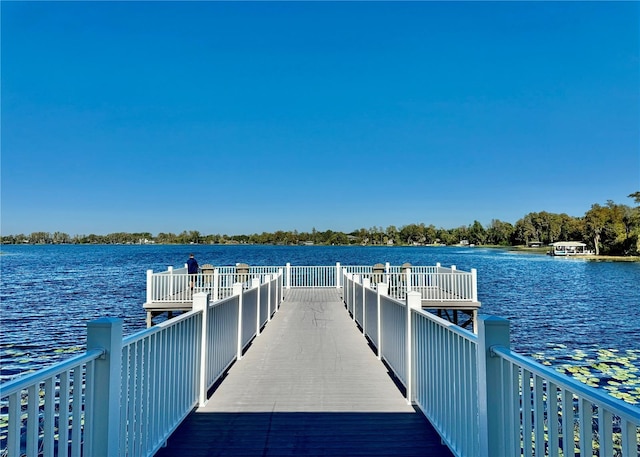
x=612, y=229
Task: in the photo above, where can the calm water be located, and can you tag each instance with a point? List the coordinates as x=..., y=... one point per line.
x=557, y=307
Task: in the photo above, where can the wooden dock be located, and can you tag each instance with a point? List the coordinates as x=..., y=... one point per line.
x=309, y=385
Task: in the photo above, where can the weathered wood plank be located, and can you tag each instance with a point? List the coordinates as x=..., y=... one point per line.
x=308, y=385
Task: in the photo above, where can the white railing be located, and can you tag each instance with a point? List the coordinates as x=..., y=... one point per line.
x=555, y=406
x=484, y=399
x=311, y=276
x=48, y=409
x=435, y=283
x=222, y=334
x=159, y=385
x=171, y=287
x=124, y=397
x=446, y=380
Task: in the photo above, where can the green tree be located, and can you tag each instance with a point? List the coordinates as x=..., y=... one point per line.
x=392, y=233
x=595, y=223
x=525, y=230
x=499, y=233
x=476, y=233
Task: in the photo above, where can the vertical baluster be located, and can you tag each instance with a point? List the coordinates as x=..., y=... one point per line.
x=126, y=413
x=63, y=415
x=629, y=437
x=140, y=392
x=76, y=411
x=49, y=416
x=586, y=431
x=539, y=414
x=567, y=423
x=605, y=431
x=552, y=419
x=15, y=424
x=527, y=426
x=33, y=422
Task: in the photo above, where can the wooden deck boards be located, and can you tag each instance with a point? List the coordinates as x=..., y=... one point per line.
x=308, y=385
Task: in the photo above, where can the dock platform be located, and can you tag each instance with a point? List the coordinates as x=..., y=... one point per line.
x=308, y=385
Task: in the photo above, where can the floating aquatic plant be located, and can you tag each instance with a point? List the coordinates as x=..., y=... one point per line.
x=612, y=370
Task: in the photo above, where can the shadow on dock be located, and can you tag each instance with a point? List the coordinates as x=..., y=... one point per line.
x=305, y=434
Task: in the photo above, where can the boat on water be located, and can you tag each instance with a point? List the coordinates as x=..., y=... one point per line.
x=569, y=248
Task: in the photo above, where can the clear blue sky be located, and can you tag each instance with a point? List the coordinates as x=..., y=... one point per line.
x=248, y=117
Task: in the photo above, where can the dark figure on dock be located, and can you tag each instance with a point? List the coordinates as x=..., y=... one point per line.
x=192, y=269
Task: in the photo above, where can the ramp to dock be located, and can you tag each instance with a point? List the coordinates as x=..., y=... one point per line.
x=309, y=385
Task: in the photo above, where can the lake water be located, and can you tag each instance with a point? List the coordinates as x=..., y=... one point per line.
x=565, y=312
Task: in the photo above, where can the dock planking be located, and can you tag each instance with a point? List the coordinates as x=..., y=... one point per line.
x=309, y=385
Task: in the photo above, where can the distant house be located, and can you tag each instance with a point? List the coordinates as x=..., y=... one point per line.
x=568, y=248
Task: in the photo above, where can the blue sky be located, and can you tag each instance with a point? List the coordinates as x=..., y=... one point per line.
x=250, y=117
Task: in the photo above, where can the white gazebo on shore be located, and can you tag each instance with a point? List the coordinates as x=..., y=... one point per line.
x=566, y=248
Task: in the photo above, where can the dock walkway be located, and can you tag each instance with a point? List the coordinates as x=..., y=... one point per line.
x=309, y=385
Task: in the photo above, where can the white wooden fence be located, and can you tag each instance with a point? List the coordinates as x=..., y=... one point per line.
x=483, y=398
x=435, y=283
x=124, y=397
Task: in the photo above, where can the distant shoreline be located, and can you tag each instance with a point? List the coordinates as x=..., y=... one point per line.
x=542, y=250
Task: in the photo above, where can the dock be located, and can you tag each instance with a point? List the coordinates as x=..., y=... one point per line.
x=309, y=385
x=448, y=292
x=310, y=361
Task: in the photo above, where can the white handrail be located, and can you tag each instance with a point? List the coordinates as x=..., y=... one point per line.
x=435, y=283
x=35, y=400
x=557, y=404
x=134, y=391
x=483, y=398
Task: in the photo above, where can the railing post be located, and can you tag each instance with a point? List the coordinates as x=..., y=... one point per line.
x=103, y=423
x=149, y=286
x=338, y=270
x=171, y=285
x=387, y=268
x=356, y=280
x=268, y=279
x=216, y=281
x=255, y=283
x=381, y=290
x=474, y=285
x=366, y=282
x=280, y=289
x=413, y=301
x=408, y=279
x=288, y=278
x=237, y=290
x=492, y=331
x=201, y=303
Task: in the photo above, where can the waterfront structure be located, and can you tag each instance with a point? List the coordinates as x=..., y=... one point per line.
x=568, y=248
x=127, y=396
x=451, y=293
